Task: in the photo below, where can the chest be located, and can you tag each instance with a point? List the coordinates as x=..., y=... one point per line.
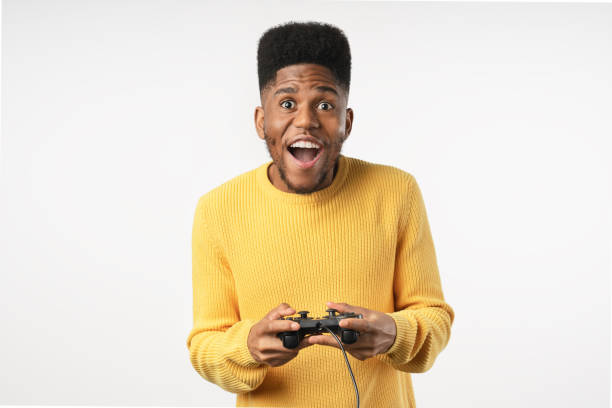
x=309, y=259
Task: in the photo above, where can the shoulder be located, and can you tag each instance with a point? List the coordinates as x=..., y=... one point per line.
x=226, y=196
x=383, y=177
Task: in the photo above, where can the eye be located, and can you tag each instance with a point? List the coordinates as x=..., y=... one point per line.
x=287, y=104
x=326, y=106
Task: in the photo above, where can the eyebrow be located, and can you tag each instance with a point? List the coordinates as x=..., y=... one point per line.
x=322, y=88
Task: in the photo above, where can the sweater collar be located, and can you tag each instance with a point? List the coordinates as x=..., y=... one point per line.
x=292, y=198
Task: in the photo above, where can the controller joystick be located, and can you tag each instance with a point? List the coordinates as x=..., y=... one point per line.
x=310, y=326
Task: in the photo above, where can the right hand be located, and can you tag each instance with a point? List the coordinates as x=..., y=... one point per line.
x=263, y=341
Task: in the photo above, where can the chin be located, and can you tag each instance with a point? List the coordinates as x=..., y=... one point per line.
x=300, y=183
x=302, y=188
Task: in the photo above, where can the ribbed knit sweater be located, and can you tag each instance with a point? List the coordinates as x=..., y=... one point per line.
x=363, y=240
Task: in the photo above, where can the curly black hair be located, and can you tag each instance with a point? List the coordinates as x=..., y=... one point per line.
x=308, y=42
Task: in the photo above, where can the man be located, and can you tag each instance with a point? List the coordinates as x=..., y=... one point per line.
x=311, y=230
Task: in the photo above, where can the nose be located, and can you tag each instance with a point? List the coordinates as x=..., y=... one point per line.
x=306, y=118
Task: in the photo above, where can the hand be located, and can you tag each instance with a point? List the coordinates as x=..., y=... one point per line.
x=264, y=344
x=377, y=332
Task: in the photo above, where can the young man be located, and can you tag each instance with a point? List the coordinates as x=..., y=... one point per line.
x=313, y=230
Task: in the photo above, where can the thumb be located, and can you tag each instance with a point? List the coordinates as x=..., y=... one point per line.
x=341, y=307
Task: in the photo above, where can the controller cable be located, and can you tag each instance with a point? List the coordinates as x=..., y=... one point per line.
x=347, y=363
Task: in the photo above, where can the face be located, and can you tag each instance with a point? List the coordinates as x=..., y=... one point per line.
x=303, y=103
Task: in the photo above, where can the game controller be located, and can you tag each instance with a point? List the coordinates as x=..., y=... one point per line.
x=310, y=326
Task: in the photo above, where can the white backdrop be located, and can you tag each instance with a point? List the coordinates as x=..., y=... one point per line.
x=118, y=115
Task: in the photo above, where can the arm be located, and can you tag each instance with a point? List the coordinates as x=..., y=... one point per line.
x=218, y=341
x=422, y=318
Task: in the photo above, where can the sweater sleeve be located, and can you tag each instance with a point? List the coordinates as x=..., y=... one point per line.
x=422, y=318
x=218, y=341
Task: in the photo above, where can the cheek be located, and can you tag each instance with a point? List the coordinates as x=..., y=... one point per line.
x=335, y=125
x=337, y=133
x=342, y=123
x=275, y=130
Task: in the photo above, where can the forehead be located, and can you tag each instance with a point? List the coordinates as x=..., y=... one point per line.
x=304, y=73
x=303, y=76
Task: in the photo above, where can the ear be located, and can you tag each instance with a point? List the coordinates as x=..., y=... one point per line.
x=348, y=124
x=259, y=122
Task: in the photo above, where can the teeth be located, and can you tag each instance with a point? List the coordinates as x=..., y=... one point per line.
x=306, y=144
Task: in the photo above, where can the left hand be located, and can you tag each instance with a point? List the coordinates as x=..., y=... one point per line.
x=377, y=332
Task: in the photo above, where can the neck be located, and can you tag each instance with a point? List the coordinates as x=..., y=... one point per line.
x=278, y=182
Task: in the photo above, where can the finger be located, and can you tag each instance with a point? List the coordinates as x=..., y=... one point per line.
x=341, y=307
x=278, y=326
x=274, y=344
x=323, y=340
x=280, y=355
x=281, y=310
x=304, y=343
x=360, y=325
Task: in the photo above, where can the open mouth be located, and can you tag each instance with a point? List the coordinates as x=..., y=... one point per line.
x=304, y=154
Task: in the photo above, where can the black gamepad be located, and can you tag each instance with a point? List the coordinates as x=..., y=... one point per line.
x=310, y=326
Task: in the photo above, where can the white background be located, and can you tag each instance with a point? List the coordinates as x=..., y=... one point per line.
x=118, y=115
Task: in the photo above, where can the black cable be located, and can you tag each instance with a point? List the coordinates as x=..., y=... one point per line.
x=347, y=363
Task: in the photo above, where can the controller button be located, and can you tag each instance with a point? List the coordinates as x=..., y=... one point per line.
x=331, y=312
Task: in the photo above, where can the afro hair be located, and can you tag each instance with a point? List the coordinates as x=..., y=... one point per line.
x=308, y=42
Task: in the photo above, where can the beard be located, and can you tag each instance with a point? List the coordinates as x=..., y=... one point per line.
x=280, y=164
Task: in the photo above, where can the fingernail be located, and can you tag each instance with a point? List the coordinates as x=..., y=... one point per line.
x=295, y=326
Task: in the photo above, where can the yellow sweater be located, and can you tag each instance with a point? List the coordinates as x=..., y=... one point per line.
x=364, y=240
